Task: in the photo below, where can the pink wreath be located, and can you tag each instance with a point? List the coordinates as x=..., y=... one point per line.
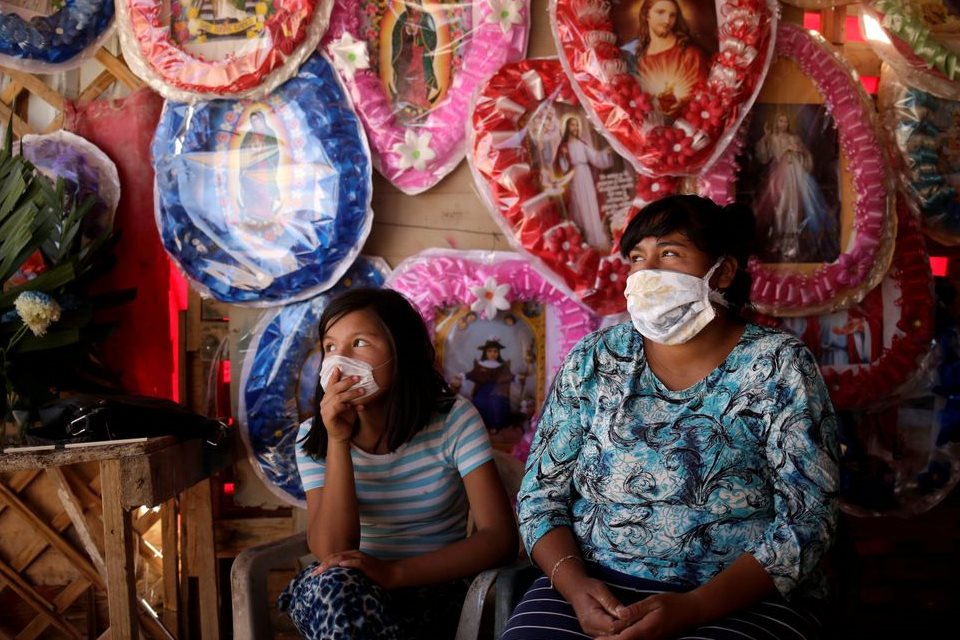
x=845, y=281
x=490, y=46
x=437, y=278
x=620, y=108
x=291, y=34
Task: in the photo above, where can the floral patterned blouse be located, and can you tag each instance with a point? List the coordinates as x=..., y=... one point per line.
x=675, y=485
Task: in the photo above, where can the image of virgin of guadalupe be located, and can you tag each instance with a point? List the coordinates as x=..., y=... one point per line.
x=413, y=45
x=491, y=378
x=259, y=161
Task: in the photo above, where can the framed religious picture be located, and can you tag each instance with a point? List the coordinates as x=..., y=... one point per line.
x=500, y=330
x=812, y=169
x=498, y=363
x=667, y=82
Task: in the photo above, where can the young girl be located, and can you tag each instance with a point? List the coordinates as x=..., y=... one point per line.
x=391, y=463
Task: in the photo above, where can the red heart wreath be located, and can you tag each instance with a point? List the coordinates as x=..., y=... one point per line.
x=511, y=182
x=628, y=116
x=899, y=360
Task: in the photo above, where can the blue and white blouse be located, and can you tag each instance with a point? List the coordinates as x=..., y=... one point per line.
x=675, y=485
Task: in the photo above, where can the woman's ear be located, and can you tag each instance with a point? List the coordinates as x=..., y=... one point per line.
x=726, y=272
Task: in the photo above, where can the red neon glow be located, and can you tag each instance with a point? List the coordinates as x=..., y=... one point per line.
x=228, y=488
x=939, y=265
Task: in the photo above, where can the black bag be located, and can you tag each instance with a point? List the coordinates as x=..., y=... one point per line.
x=85, y=418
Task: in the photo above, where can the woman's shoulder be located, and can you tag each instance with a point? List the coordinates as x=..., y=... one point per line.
x=760, y=338
x=304, y=428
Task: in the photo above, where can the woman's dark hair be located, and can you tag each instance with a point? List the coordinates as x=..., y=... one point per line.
x=418, y=389
x=715, y=230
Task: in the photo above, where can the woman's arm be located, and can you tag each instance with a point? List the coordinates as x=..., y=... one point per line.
x=333, y=519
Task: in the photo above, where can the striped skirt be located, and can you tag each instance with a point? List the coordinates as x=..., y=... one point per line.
x=543, y=614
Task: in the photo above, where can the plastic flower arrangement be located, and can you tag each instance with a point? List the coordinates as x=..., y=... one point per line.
x=48, y=259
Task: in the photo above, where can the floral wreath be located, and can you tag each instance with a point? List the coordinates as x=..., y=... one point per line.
x=488, y=281
x=911, y=38
x=289, y=255
x=916, y=135
x=862, y=386
x=620, y=108
x=843, y=282
x=535, y=225
x=415, y=158
x=276, y=375
x=56, y=42
x=290, y=34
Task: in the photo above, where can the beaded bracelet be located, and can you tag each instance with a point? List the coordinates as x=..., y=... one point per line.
x=556, y=565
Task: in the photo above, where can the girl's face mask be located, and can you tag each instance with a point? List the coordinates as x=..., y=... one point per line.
x=670, y=307
x=350, y=367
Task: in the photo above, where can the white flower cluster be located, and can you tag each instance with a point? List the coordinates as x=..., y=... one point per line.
x=37, y=310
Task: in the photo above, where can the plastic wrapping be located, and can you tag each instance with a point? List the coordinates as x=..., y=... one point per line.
x=924, y=133
x=895, y=462
x=86, y=172
x=834, y=275
x=478, y=302
x=413, y=109
x=671, y=112
x=920, y=40
x=872, y=354
x=264, y=202
x=818, y=4
x=280, y=371
x=189, y=51
x=42, y=39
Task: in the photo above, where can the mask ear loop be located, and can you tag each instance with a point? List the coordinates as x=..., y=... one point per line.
x=714, y=295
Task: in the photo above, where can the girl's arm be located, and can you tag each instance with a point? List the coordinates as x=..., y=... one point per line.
x=494, y=542
x=333, y=519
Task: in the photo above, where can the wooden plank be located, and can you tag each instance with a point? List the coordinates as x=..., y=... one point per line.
x=16, y=460
x=36, y=601
x=36, y=87
x=118, y=68
x=197, y=521
x=118, y=548
x=171, y=570
x=96, y=88
x=20, y=127
x=72, y=507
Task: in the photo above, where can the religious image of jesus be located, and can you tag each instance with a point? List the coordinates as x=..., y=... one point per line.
x=663, y=56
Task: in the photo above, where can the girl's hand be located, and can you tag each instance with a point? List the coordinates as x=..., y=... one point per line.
x=337, y=410
x=383, y=572
x=658, y=617
x=596, y=608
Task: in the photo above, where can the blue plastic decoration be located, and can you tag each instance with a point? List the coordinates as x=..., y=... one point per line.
x=265, y=202
x=58, y=39
x=280, y=372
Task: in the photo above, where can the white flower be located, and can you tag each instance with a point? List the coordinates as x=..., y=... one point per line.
x=414, y=151
x=506, y=12
x=37, y=310
x=491, y=297
x=349, y=55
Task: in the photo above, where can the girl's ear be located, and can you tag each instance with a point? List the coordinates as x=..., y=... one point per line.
x=726, y=272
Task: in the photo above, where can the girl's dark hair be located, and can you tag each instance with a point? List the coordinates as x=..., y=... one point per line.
x=715, y=230
x=417, y=390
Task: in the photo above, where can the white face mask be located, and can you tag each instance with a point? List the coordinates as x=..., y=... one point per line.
x=670, y=307
x=350, y=367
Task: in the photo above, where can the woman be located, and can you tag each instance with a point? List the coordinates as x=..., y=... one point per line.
x=491, y=378
x=390, y=464
x=683, y=476
x=801, y=228
x=579, y=158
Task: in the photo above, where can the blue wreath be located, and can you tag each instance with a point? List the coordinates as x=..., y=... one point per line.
x=58, y=37
x=279, y=380
x=324, y=242
x=939, y=202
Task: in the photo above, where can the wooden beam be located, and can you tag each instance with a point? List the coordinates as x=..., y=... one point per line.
x=118, y=68
x=36, y=87
x=36, y=602
x=70, y=594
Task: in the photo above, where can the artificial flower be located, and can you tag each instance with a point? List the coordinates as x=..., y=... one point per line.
x=37, y=310
x=506, y=12
x=349, y=55
x=491, y=297
x=414, y=151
